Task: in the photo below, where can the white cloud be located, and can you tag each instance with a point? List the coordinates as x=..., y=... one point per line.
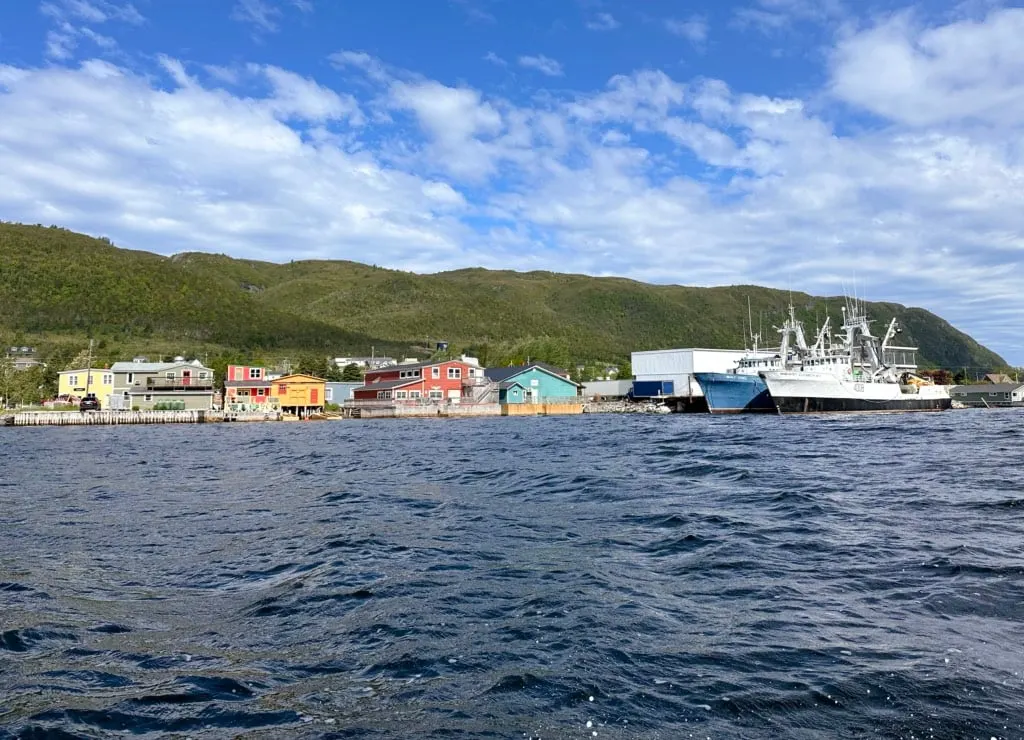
x=474, y=10
x=60, y=45
x=495, y=59
x=603, y=22
x=192, y=168
x=261, y=14
x=694, y=30
x=302, y=98
x=960, y=72
x=72, y=18
x=92, y=11
x=544, y=65
x=460, y=126
x=773, y=16
x=360, y=60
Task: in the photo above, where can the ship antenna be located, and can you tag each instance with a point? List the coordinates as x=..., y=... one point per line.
x=750, y=319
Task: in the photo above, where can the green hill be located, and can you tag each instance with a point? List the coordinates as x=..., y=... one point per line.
x=61, y=286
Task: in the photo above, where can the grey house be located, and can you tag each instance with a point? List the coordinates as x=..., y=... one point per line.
x=989, y=394
x=147, y=385
x=339, y=391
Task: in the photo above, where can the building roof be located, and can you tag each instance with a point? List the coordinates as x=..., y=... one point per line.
x=153, y=367
x=294, y=377
x=500, y=374
x=386, y=385
x=988, y=388
x=998, y=378
x=415, y=366
x=82, y=370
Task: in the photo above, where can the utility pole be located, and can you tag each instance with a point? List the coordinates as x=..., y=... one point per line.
x=88, y=370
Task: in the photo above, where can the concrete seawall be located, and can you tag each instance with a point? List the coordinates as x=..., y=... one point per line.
x=111, y=418
x=402, y=411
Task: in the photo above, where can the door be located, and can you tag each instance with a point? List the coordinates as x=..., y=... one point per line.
x=314, y=396
x=186, y=377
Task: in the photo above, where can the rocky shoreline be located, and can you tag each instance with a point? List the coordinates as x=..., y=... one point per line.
x=624, y=407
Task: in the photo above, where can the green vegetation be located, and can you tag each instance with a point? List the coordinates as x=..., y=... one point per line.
x=58, y=288
x=351, y=373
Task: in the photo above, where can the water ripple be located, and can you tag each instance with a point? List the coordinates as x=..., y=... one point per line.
x=638, y=577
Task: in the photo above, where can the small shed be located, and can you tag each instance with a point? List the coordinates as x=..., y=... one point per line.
x=299, y=394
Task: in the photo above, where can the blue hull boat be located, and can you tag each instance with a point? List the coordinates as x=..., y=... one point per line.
x=734, y=393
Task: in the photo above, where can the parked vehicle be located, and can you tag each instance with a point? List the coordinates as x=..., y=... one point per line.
x=89, y=403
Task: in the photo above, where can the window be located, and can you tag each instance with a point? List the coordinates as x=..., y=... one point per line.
x=148, y=397
x=282, y=389
x=384, y=394
x=255, y=373
x=108, y=379
x=202, y=376
x=399, y=394
x=435, y=372
x=169, y=375
x=329, y=395
x=409, y=374
x=72, y=380
x=131, y=378
x=414, y=394
x=436, y=395
x=454, y=373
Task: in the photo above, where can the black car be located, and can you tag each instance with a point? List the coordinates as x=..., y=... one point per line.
x=89, y=403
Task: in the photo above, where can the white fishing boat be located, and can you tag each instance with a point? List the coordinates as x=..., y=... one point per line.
x=864, y=375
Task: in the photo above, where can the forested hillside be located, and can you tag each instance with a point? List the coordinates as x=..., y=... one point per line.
x=59, y=286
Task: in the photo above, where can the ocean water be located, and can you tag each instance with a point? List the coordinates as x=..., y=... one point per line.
x=575, y=577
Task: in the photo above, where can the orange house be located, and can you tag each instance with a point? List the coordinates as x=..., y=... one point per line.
x=298, y=394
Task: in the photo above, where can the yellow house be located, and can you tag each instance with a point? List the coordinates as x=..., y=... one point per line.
x=298, y=394
x=76, y=383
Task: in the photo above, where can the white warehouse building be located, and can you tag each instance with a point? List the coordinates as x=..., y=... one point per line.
x=679, y=365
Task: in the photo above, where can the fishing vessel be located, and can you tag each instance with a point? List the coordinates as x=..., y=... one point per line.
x=867, y=375
x=741, y=389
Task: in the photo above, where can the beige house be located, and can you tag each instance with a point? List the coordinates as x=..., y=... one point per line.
x=144, y=385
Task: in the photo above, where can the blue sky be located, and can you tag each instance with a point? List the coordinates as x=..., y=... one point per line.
x=804, y=144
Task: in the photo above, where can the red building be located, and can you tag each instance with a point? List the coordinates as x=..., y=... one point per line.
x=246, y=388
x=441, y=380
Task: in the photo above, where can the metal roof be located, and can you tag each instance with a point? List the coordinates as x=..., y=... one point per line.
x=504, y=373
x=411, y=366
x=152, y=367
x=387, y=385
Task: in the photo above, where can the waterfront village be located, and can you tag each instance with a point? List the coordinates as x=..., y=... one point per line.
x=182, y=389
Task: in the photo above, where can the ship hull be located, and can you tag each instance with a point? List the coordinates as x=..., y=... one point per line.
x=731, y=393
x=801, y=393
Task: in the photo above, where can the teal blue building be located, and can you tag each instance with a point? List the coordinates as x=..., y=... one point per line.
x=536, y=382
